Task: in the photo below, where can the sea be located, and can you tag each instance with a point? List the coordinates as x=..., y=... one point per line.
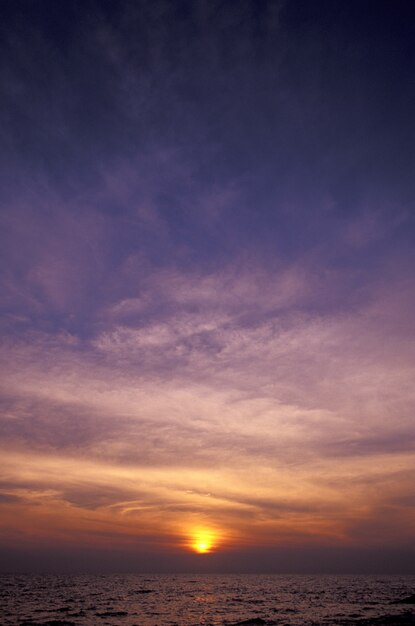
x=216, y=600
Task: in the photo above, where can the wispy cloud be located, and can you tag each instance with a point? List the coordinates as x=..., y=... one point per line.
x=206, y=281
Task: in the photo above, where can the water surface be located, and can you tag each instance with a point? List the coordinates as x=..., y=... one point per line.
x=167, y=600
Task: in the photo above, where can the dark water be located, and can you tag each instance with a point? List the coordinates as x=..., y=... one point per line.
x=129, y=600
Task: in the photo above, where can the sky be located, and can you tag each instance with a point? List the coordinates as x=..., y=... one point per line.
x=207, y=305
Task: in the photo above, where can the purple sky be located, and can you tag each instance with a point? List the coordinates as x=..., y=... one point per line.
x=207, y=240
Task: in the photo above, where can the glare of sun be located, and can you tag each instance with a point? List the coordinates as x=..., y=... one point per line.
x=203, y=542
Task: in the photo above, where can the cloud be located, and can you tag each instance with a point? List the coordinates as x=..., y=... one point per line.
x=295, y=409
x=206, y=280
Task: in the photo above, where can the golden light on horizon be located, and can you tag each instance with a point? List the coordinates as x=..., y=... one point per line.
x=203, y=541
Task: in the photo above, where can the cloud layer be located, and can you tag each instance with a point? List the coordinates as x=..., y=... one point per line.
x=207, y=303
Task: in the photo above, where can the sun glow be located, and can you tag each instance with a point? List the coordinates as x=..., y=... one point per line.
x=203, y=542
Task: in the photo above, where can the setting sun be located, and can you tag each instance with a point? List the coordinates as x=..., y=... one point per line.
x=203, y=542
x=202, y=547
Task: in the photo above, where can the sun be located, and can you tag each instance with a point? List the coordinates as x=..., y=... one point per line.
x=203, y=542
x=202, y=547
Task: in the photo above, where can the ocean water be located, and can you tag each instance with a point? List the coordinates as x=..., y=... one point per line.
x=167, y=600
